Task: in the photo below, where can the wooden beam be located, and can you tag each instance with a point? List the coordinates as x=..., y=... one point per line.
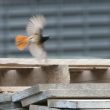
x=8, y=105
x=13, y=89
x=67, y=91
x=5, y=97
x=28, y=71
x=29, y=62
x=39, y=107
x=79, y=103
x=66, y=94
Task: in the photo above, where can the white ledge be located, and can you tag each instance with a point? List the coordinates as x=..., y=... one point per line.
x=31, y=62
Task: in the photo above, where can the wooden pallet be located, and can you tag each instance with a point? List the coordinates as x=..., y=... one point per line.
x=28, y=72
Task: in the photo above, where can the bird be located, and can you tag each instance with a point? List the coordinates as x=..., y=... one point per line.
x=35, y=39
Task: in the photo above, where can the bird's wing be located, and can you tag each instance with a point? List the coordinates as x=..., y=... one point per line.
x=37, y=51
x=35, y=25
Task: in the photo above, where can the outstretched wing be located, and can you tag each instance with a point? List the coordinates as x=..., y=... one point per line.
x=35, y=25
x=34, y=28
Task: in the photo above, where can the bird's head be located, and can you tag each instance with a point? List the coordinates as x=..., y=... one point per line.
x=31, y=39
x=34, y=39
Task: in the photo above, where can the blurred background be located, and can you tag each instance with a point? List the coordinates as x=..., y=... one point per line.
x=78, y=28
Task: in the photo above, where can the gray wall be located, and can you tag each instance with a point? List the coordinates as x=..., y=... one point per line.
x=78, y=28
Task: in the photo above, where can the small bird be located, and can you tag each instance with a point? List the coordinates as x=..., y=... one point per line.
x=35, y=39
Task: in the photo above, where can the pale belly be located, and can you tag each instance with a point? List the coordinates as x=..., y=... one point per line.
x=37, y=51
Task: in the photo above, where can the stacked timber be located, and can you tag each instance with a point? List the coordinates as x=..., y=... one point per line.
x=6, y=94
x=55, y=85
x=86, y=96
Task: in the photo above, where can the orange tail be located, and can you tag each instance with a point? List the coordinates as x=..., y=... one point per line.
x=21, y=42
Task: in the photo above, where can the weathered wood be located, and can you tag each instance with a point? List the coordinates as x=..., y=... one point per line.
x=29, y=77
x=37, y=107
x=27, y=71
x=57, y=74
x=76, y=91
x=9, y=105
x=36, y=76
x=29, y=62
x=22, y=77
x=62, y=103
x=79, y=103
x=16, y=109
x=26, y=93
x=65, y=94
x=73, y=69
x=45, y=87
x=40, y=88
x=13, y=89
x=93, y=109
x=5, y=97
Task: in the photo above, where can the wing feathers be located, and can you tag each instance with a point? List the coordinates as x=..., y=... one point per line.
x=35, y=25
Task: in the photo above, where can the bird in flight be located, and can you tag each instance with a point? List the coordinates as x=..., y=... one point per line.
x=35, y=39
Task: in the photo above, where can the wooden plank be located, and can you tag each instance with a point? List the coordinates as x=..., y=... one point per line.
x=73, y=69
x=9, y=105
x=37, y=107
x=5, y=97
x=39, y=88
x=79, y=103
x=26, y=93
x=29, y=62
x=13, y=89
x=16, y=109
x=93, y=109
x=62, y=103
x=69, y=94
x=77, y=91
